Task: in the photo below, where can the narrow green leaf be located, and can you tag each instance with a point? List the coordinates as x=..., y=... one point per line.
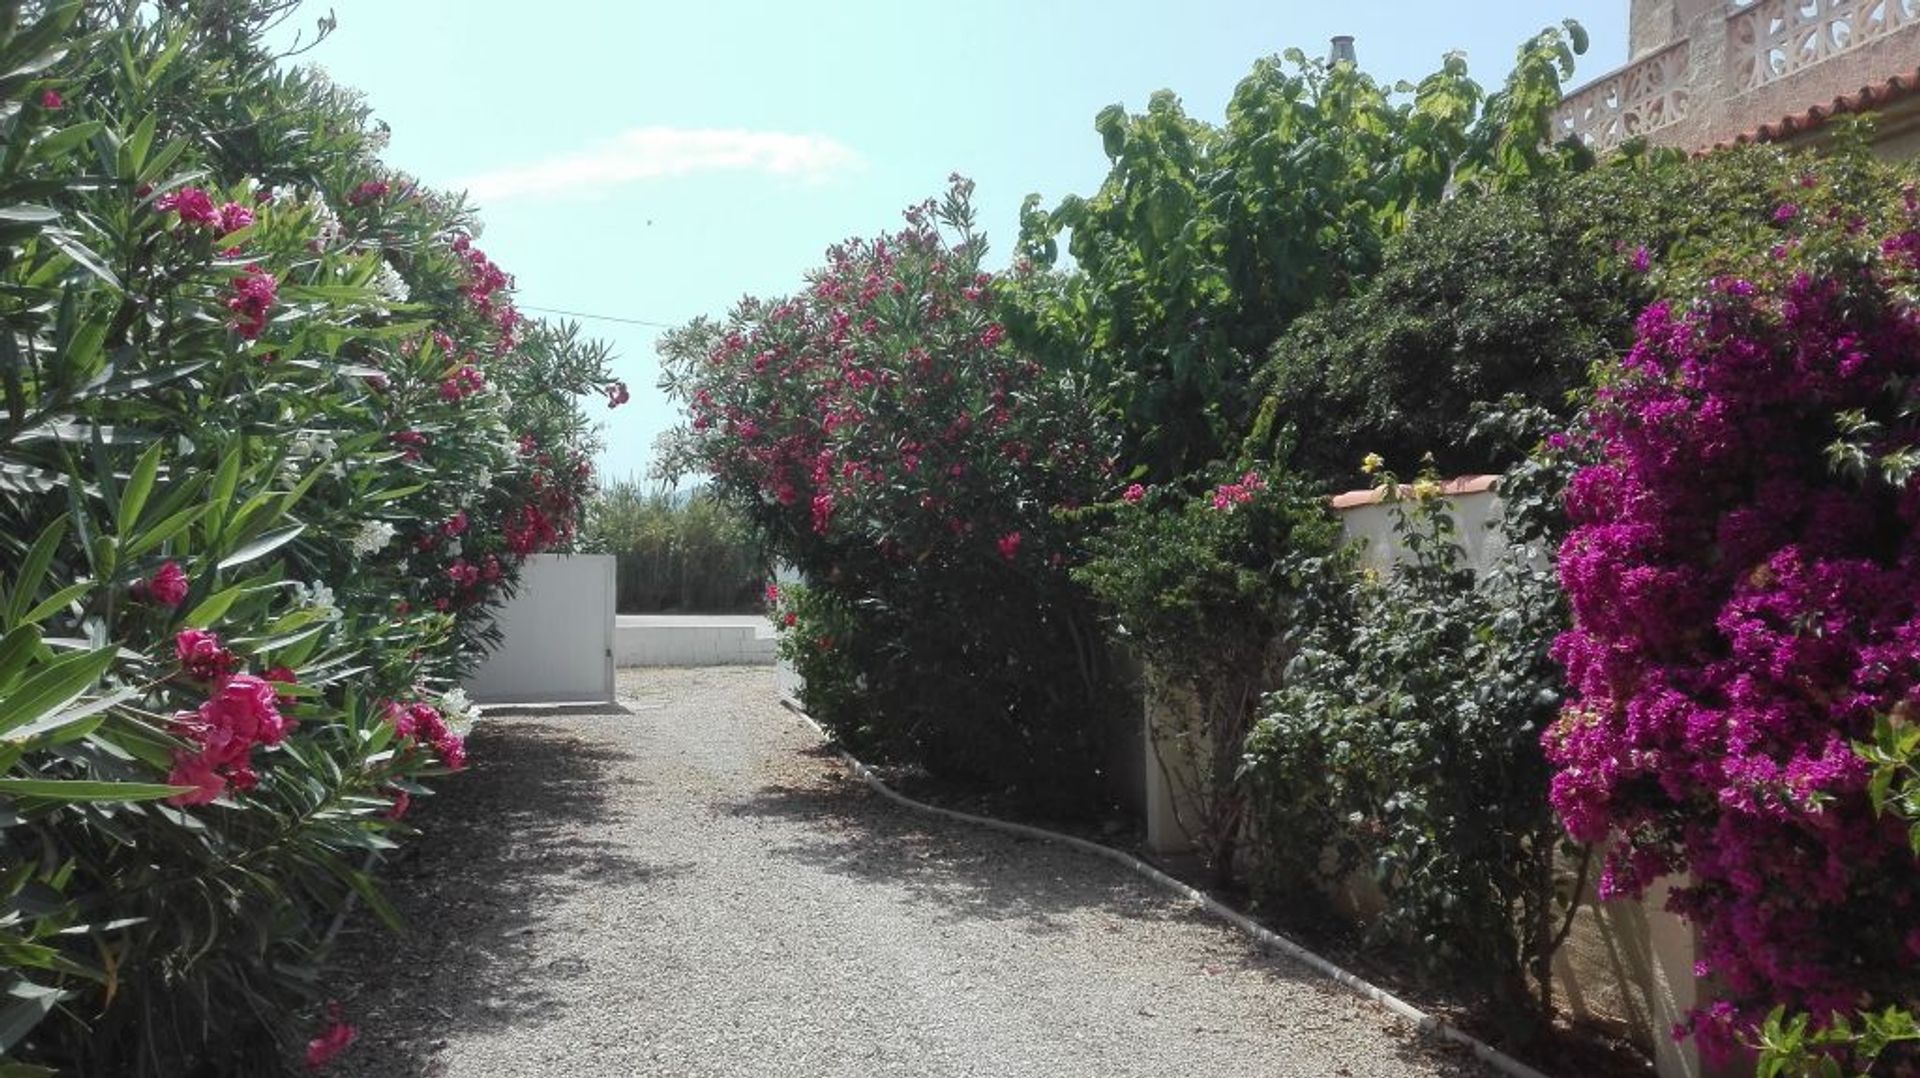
x=59, y=720
x=58, y=601
x=27, y=584
x=165, y=530
x=16, y=651
x=213, y=607
x=87, y=790
x=133, y=498
x=54, y=686
x=262, y=546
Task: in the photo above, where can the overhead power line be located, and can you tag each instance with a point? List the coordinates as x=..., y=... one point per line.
x=597, y=317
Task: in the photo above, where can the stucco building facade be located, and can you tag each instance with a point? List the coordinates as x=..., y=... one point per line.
x=1707, y=73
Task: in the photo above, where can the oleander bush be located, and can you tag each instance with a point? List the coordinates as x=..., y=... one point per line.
x=686, y=553
x=893, y=447
x=274, y=442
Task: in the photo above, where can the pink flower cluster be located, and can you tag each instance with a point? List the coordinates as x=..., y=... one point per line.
x=195, y=207
x=462, y=384
x=370, y=191
x=485, y=288
x=424, y=723
x=1741, y=615
x=241, y=712
x=254, y=293
x=1228, y=495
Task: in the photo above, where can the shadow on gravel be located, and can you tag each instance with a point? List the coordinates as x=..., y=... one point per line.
x=962, y=873
x=959, y=872
x=500, y=844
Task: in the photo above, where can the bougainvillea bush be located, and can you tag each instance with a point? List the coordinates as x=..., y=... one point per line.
x=897, y=451
x=273, y=441
x=1744, y=574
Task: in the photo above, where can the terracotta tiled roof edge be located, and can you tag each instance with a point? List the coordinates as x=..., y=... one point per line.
x=1865, y=99
x=1466, y=484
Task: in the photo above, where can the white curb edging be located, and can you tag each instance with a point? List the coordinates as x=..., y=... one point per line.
x=1265, y=937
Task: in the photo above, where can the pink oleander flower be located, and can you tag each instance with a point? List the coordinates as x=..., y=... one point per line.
x=190, y=769
x=168, y=586
x=1008, y=545
x=401, y=802
x=463, y=572
x=199, y=651
x=254, y=293
x=193, y=206
x=773, y=594
x=452, y=751
x=339, y=1036
x=233, y=218
x=617, y=394
x=1133, y=494
x=1642, y=260
x=52, y=101
x=455, y=525
x=370, y=191
x=464, y=383
x=282, y=675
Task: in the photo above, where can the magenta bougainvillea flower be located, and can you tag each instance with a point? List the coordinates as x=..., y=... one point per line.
x=1743, y=610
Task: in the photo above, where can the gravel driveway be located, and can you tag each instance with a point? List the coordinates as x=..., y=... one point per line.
x=698, y=888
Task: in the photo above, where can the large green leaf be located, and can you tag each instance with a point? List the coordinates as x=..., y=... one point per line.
x=53, y=687
x=262, y=546
x=87, y=790
x=33, y=569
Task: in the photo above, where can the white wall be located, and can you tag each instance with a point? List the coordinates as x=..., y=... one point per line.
x=1474, y=515
x=558, y=636
x=693, y=640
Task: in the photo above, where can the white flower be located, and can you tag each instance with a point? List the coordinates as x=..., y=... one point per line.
x=459, y=711
x=454, y=548
x=311, y=445
x=390, y=284
x=319, y=597
x=374, y=536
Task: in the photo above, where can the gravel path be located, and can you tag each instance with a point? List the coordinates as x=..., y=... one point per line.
x=698, y=888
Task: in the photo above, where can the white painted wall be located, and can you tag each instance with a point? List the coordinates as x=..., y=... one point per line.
x=1474, y=516
x=558, y=636
x=693, y=640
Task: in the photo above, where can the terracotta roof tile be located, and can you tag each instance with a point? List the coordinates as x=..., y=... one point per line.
x=1466, y=484
x=1866, y=99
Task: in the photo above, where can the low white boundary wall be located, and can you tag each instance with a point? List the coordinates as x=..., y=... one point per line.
x=557, y=636
x=693, y=640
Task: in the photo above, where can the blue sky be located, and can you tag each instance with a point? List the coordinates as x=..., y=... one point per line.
x=657, y=161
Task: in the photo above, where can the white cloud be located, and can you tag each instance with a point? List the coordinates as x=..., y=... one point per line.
x=646, y=153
